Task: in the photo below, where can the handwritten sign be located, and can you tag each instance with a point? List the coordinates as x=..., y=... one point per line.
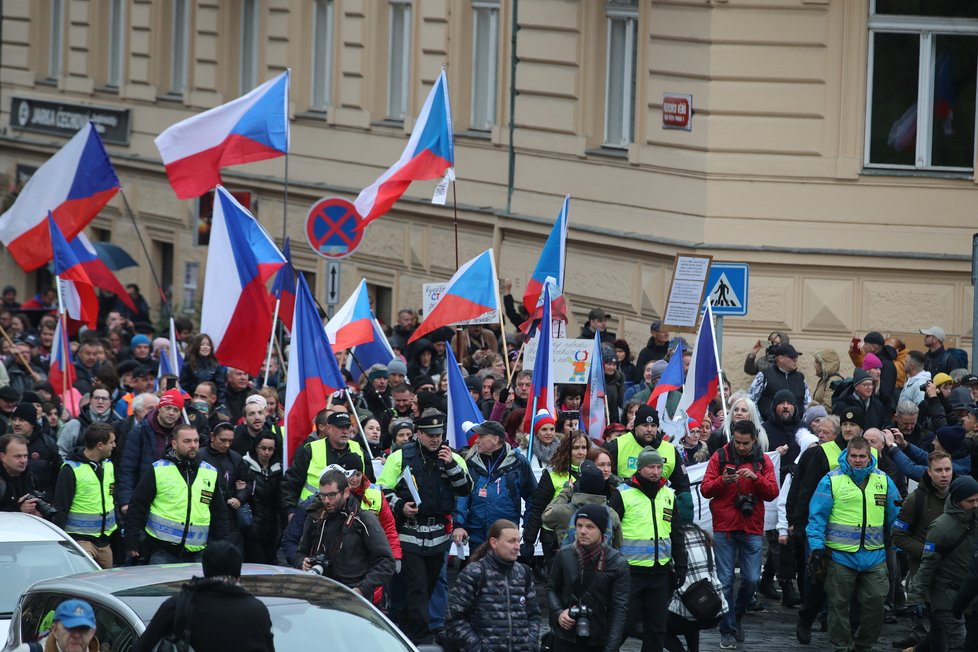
x=571, y=359
x=431, y=294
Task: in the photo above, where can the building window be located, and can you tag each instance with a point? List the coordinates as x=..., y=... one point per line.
x=322, y=53
x=57, y=39
x=117, y=40
x=920, y=105
x=399, y=59
x=249, y=45
x=485, y=55
x=619, y=104
x=179, y=47
x=189, y=299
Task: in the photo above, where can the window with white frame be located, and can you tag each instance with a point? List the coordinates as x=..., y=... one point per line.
x=322, y=53
x=55, y=47
x=179, y=46
x=399, y=59
x=485, y=54
x=920, y=104
x=249, y=45
x=117, y=42
x=619, y=105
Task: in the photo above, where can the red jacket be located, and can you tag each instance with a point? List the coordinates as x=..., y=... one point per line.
x=726, y=516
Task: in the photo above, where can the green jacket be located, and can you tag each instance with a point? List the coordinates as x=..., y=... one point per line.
x=907, y=533
x=559, y=512
x=942, y=569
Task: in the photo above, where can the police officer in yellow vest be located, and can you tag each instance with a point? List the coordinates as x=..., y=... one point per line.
x=852, y=509
x=625, y=451
x=310, y=461
x=653, y=545
x=84, y=494
x=178, y=507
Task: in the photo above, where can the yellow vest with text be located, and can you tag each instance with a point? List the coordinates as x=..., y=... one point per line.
x=646, y=527
x=628, y=450
x=167, y=520
x=92, y=511
x=318, y=464
x=832, y=452
x=858, y=514
x=373, y=499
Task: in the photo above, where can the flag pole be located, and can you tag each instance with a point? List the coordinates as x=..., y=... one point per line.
x=502, y=335
x=271, y=343
x=24, y=361
x=149, y=259
x=285, y=194
x=64, y=337
x=716, y=356
x=363, y=435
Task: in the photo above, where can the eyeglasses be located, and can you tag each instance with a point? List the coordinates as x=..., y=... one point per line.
x=329, y=495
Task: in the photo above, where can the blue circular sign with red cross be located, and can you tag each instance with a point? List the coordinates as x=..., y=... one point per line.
x=331, y=228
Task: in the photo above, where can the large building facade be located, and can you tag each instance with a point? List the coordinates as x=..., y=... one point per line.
x=809, y=152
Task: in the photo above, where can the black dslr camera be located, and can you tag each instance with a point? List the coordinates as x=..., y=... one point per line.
x=43, y=507
x=319, y=564
x=746, y=503
x=582, y=614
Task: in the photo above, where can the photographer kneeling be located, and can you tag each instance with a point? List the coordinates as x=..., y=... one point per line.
x=588, y=587
x=344, y=542
x=739, y=478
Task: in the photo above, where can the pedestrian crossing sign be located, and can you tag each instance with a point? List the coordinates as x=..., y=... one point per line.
x=726, y=289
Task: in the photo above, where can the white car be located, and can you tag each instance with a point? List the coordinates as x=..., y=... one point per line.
x=32, y=549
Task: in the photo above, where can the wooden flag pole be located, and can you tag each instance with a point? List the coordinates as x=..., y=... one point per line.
x=356, y=418
x=271, y=342
x=20, y=355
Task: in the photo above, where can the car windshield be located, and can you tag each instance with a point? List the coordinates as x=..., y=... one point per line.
x=24, y=562
x=305, y=612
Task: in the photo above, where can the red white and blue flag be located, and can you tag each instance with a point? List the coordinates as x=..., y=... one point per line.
x=313, y=373
x=251, y=128
x=462, y=410
x=73, y=185
x=672, y=379
x=430, y=153
x=61, y=374
x=100, y=274
x=78, y=299
x=353, y=324
x=703, y=379
x=375, y=351
x=471, y=293
x=236, y=313
x=542, y=389
x=283, y=288
x=594, y=417
x=550, y=267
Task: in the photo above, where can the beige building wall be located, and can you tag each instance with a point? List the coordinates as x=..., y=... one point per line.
x=771, y=173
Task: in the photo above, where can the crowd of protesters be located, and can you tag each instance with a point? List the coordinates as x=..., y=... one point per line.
x=875, y=495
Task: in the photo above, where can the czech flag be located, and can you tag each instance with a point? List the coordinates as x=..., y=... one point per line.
x=672, y=376
x=283, y=288
x=78, y=298
x=100, y=274
x=353, y=324
x=313, y=373
x=241, y=259
x=430, y=153
x=73, y=185
x=62, y=371
x=550, y=267
x=703, y=380
x=251, y=128
x=461, y=406
x=542, y=390
x=471, y=293
x=594, y=417
x=375, y=351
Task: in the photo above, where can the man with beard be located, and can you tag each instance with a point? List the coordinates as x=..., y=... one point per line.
x=178, y=504
x=255, y=423
x=146, y=443
x=625, y=451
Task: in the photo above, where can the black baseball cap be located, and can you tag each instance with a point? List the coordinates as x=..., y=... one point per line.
x=787, y=350
x=339, y=419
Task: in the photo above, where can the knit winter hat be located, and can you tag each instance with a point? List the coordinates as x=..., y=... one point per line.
x=591, y=480
x=221, y=558
x=962, y=488
x=646, y=414
x=870, y=361
x=395, y=366
x=597, y=514
x=139, y=339
x=648, y=456
x=25, y=411
x=951, y=438
x=542, y=418
x=816, y=411
x=658, y=368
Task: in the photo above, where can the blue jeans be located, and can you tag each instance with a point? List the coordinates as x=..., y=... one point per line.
x=438, y=602
x=726, y=547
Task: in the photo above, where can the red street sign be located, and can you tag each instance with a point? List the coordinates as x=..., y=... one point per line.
x=677, y=111
x=331, y=228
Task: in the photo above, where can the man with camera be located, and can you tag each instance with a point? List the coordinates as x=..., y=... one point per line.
x=343, y=541
x=17, y=490
x=85, y=493
x=852, y=509
x=588, y=588
x=739, y=478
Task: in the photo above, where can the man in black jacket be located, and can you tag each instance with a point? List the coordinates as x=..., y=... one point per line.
x=16, y=479
x=233, y=476
x=45, y=461
x=223, y=615
x=589, y=578
x=343, y=541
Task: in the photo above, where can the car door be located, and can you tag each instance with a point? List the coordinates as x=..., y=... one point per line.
x=37, y=611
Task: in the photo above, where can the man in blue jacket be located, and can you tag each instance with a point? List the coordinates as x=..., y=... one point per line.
x=146, y=443
x=852, y=508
